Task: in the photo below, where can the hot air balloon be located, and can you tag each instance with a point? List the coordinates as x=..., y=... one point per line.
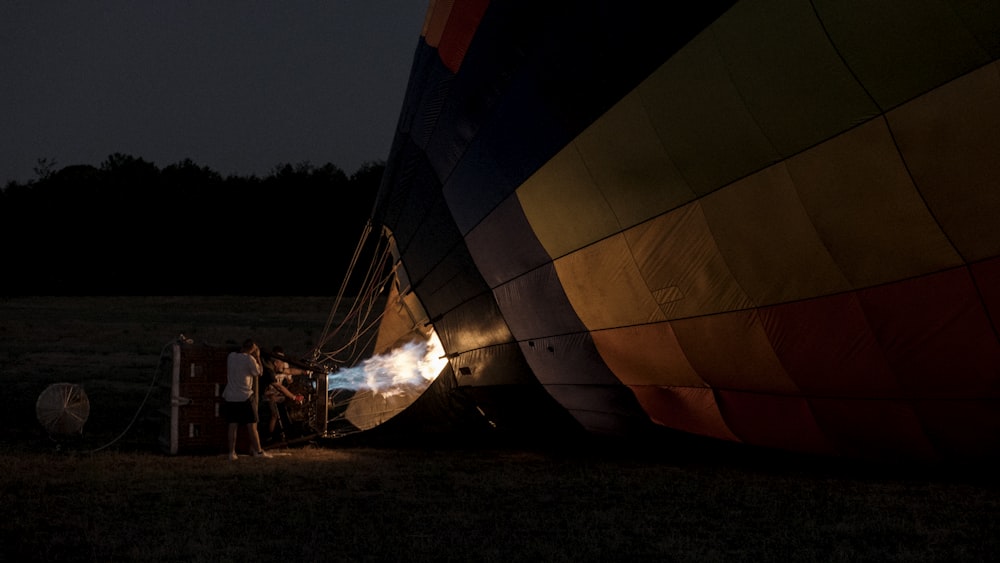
x=766, y=222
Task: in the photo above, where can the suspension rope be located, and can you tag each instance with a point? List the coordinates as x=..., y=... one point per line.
x=361, y=310
x=149, y=391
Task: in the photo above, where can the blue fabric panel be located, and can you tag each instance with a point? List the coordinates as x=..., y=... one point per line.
x=584, y=57
x=536, y=306
x=567, y=359
x=434, y=238
x=519, y=251
x=474, y=325
x=602, y=409
x=453, y=281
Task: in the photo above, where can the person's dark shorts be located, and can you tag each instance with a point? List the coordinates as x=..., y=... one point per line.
x=243, y=412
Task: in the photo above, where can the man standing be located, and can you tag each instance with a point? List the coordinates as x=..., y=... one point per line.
x=240, y=406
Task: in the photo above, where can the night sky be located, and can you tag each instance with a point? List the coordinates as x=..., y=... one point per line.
x=237, y=86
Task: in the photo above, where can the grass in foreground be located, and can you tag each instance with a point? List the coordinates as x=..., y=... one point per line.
x=320, y=503
x=128, y=502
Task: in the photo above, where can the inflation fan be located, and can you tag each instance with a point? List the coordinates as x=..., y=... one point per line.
x=62, y=409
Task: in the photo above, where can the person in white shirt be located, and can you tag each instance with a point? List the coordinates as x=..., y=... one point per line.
x=240, y=398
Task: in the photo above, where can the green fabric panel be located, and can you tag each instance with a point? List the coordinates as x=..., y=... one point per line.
x=950, y=140
x=565, y=208
x=700, y=116
x=681, y=264
x=857, y=193
x=895, y=53
x=769, y=241
x=604, y=286
x=629, y=164
x=791, y=78
x=982, y=19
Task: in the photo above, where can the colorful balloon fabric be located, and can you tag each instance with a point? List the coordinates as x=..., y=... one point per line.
x=770, y=222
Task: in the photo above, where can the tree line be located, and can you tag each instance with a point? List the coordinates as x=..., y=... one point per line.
x=128, y=227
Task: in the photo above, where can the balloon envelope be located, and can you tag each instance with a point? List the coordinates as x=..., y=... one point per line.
x=772, y=223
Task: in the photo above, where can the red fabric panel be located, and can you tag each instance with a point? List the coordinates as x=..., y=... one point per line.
x=936, y=336
x=828, y=348
x=878, y=430
x=731, y=351
x=987, y=276
x=462, y=24
x=962, y=429
x=776, y=421
x=689, y=409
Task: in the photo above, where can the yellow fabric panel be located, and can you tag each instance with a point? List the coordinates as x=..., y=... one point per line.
x=436, y=20
x=629, y=164
x=565, y=208
x=681, y=264
x=700, y=116
x=646, y=355
x=604, y=286
x=858, y=195
x=768, y=240
x=894, y=52
x=950, y=140
x=789, y=75
x=396, y=323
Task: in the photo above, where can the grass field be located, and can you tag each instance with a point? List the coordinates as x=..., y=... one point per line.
x=347, y=501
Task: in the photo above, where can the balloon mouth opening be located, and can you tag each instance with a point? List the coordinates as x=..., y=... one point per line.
x=382, y=386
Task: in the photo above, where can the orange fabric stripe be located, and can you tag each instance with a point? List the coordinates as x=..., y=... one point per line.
x=462, y=21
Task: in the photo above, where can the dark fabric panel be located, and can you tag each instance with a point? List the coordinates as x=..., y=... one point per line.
x=433, y=237
x=490, y=366
x=535, y=305
x=453, y=281
x=568, y=359
x=552, y=95
x=987, y=278
x=876, y=430
x=520, y=140
x=526, y=413
x=428, y=87
x=474, y=324
x=426, y=90
x=427, y=110
x=602, y=409
x=498, y=50
x=936, y=336
x=520, y=251
x=962, y=429
x=404, y=207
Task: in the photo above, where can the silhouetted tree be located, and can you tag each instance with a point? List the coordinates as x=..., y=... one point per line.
x=129, y=227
